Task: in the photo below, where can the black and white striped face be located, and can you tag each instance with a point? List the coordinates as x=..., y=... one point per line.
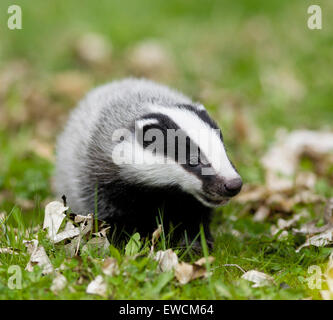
x=183, y=146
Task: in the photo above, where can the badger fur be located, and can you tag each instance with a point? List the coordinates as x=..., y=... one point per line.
x=128, y=194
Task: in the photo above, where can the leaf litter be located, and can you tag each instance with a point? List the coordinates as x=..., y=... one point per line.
x=258, y=278
x=286, y=186
x=280, y=193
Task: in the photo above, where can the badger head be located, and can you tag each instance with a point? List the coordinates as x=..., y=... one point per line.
x=180, y=146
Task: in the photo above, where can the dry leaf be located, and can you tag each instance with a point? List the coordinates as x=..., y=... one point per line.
x=258, y=278
x=110, y=267
x=310, y=228
x=150, y=58
x=79, y=218
x=261, y=214
x=99, y=244
x=282, y=159
x=167, y=260
x=202, y=261
x=305, y=180
x=286, y=224
x=184, y=272
x=86, y=223
x=72, y=247
x=71, y=84
x=8, y=251
x=54, y=215
x=319, y=240
x=282, y=235
x=252, y=193
x=93, y=48
x=38, y=257
x=97, y=286
x=66, y=234
x=59, y=283
x=156, y=234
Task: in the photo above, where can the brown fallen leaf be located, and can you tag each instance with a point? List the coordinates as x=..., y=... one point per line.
x=71, y=248
x=281, y=160
x=310, y=228
x=59, y=283
x=305, y=179
x=98, y=244
x=320, y=240
x=97, y=286
x=202, y=261
x=150, y=58
x=67, y=234
x=71, y=84
x=283, y=225
x=8, y=251
x=156, y=235
x=167, y=260
x=252, y=193
x=258, y=278
x=54, y=216
x=185, y=272
x=110, y=267
x=93, y=48
x=38, y=257
x=261, y=214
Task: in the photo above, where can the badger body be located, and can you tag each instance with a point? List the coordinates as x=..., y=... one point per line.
x=130, y=195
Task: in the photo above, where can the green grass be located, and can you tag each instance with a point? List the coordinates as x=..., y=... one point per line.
x=138, y=278
x=254, y=60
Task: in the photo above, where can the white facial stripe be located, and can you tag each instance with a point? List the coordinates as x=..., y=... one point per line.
x=138, y=165
x=204, y=136
x=200, y=107
x=144, y=122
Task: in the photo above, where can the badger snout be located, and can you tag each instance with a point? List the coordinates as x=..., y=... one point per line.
x=219, y=190
x=232, y=187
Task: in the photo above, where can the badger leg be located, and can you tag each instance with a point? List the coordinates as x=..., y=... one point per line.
x=187, y=228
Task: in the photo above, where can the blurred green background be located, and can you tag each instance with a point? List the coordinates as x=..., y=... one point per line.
x=254, y=64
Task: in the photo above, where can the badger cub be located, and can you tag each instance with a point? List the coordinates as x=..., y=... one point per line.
x=135, y=150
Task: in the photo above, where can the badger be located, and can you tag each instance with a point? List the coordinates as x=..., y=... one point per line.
x=114, y=158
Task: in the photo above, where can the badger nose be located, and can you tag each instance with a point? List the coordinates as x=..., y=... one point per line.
x=233, y=186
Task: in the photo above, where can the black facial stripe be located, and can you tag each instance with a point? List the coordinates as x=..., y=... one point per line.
x=163, y=124
x=192, y=149
x=203, y=115
x=163, y=120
